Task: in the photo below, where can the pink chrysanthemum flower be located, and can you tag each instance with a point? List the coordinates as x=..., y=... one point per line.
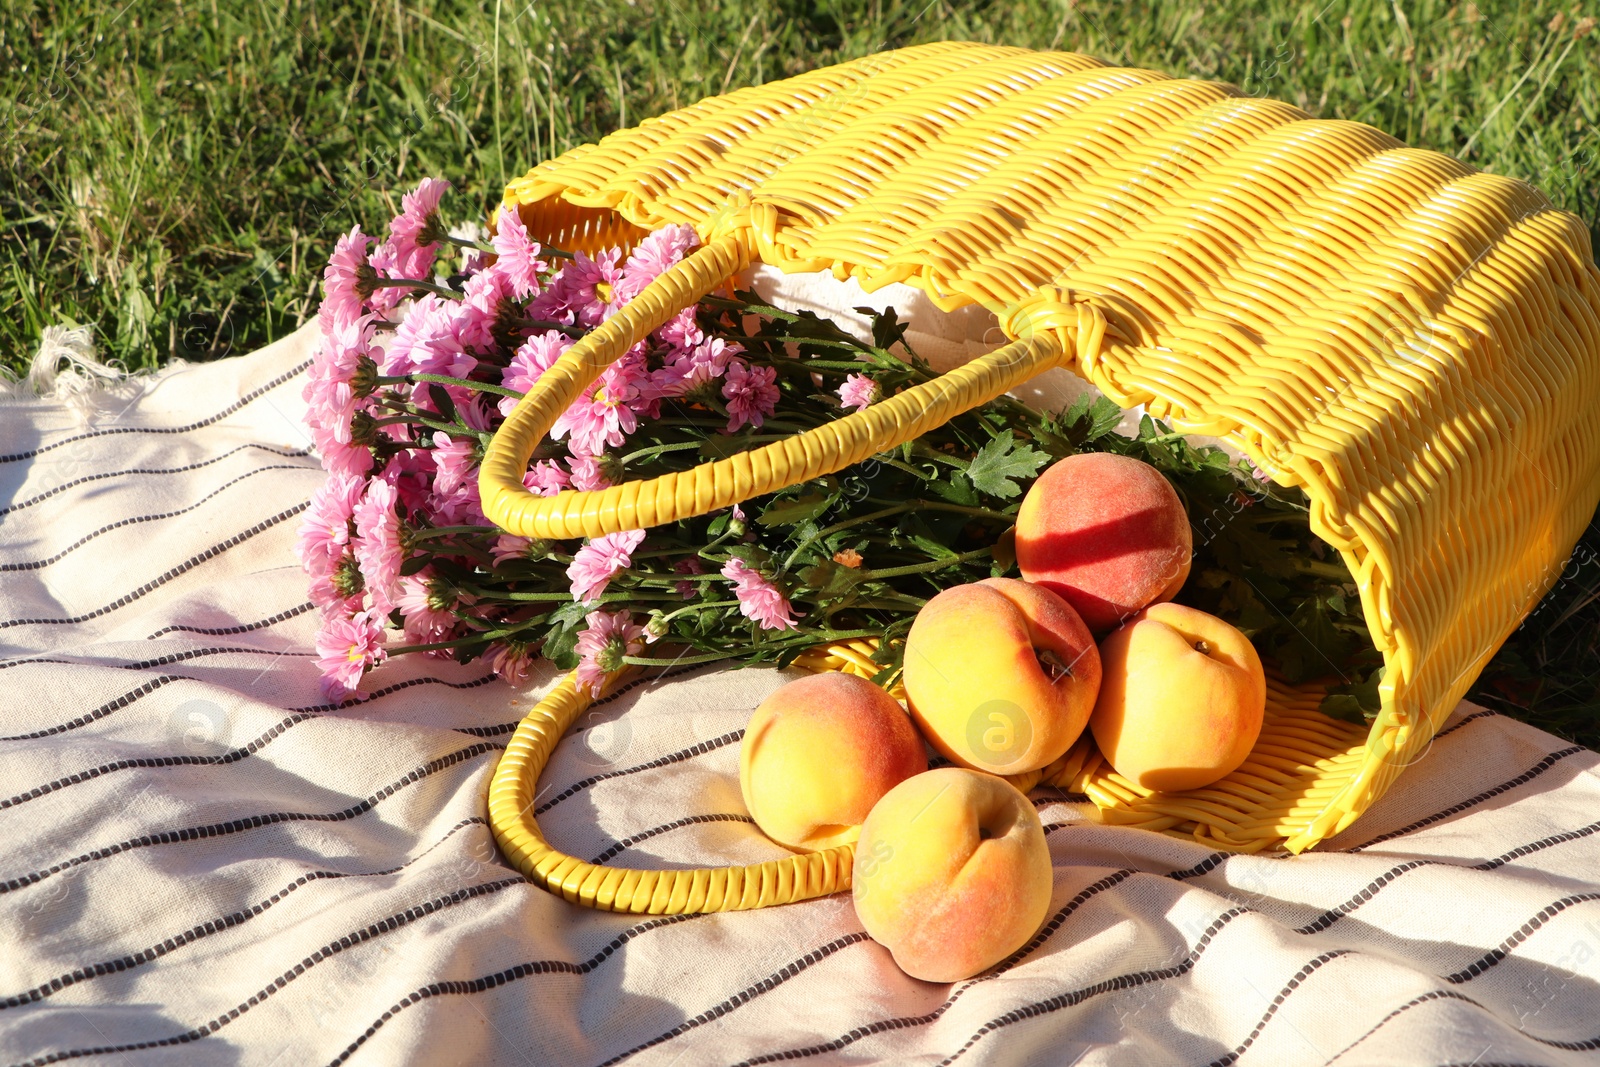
x=346, y=281
x=705, y=362
x=340, y=457
x=377, y=546
x=426, y=605
x=333, y=388
x=341, y=587
x=415, y=232
x=610, y=636
x=758, y=598
x=460, y=507
x=588, y=473
x=681, y=334
x=750, y=393
x=511, y=660
x=584, y=291
x=347, y=647
x=537, y=355
x=609, y=410
x=654, y=255
x=385, y=264
x=325, y=526
x=488, y=297
x=411, y=474
x=858, y=391
x=546, y=478
x=691, y=565
x=519, y=255
x=596, y=563
x=508, y=547
x=454, y=462
x=426, y=319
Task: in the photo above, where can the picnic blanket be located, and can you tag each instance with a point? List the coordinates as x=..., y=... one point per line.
x=204, y=863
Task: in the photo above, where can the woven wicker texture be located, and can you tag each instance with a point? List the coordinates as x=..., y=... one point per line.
x=1415, y=343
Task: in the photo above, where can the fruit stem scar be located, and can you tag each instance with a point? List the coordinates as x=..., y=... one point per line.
x=1052, y=664
x=1202, y=648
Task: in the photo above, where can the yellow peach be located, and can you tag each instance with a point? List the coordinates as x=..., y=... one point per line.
x=1107, y=533
x=1000, y=675
x=952, y=873
x=819, y=753
x=1182, y=698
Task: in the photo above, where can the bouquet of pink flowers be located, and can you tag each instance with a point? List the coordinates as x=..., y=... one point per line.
x=418, y=367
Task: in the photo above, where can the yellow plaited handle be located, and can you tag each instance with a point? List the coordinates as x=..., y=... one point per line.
x=637, y=505
x=511, y=793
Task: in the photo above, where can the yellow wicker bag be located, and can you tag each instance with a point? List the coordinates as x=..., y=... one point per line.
x=1415, y=343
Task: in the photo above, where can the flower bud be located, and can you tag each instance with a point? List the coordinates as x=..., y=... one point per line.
x=365, y=380
x=656, y=628
x=363, y=429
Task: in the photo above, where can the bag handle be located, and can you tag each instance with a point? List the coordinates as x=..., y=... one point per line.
x=637, y=505
x=511, y=792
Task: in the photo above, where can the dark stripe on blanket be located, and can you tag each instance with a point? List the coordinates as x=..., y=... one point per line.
x=237, y=405
x=332, y=948
x=244, y=628
x=181, y=569
x=39, y=564
x=251, y=822
x=213, y=926
x=506, y=977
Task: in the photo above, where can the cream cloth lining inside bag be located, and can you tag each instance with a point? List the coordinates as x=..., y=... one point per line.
x=946, y=339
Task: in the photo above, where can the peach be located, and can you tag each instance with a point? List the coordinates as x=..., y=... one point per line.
x=819, y=753
x=1001, y=675
x=1107, y=533
x=1182, y=699
x=952, y=873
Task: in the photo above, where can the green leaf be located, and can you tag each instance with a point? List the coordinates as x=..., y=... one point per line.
x=441, y=400
x=1103, y=418
x=831, y=581
x=570, y=614
x=1355, y=702
x=560, y=647
x=1001, y=460
x=931, y=547
x=957, y=489
x=789, y=512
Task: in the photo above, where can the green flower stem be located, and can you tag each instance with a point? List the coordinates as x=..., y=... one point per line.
x=656, y=450
x=822, y=638
x=641, y=661
x=465, y=383
x=483, y=246
x=925, y=568
x=508, y=596
x=1334, y=572
x=417, y=283
x=960, y=509
x=467, y=242
x=699, y=607
x=897, y=509
x=545, y=324
x=451, y=531
x=460, y=642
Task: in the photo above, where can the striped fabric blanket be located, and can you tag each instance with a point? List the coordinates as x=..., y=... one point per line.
x=203, y=863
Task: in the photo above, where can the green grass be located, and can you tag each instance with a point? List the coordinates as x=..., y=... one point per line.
x=174, y=173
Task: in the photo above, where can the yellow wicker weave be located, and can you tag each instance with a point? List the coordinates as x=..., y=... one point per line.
x=1415, y=343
